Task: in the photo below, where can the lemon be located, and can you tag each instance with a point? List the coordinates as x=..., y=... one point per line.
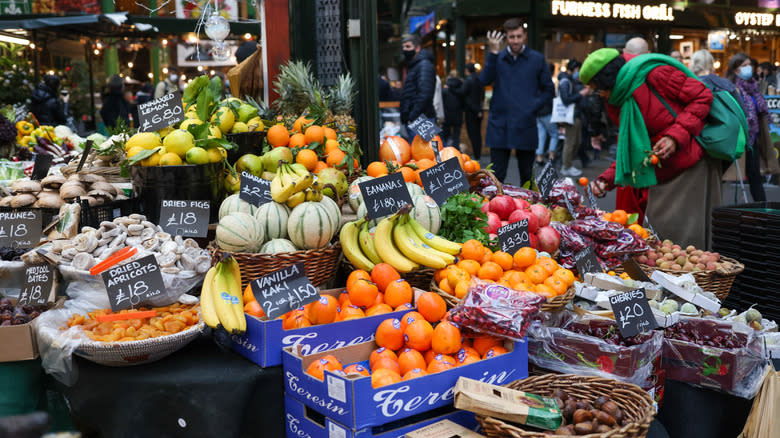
x=214, y=132
x=239, y=127
x=170, y=159
x=197, y=155
x=154, y=160
x=255, y=124
x=189, y=122
x=134, y=150
x=179, y=142
x=144, y=140
x=165, y=131
x=191, y=115
x=224, y=118
x=215, y=155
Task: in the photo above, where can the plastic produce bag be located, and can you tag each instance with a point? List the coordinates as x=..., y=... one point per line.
x=11, y=278
x=764, y=418
x=597, y=229
x=625, y=244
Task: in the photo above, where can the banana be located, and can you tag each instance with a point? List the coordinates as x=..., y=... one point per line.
x=367, y=244
x=282, y=186
x=432, y=240
x=448, y=258
x=348, y=236
x=383, y=241
x=296, y=199
x=302, y=177
x=222, y=298
x=411, y=250
x=234, y=274
x=207, y=310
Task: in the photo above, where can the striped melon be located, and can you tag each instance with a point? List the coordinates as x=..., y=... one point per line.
x=362, y=212
x=272, y=217
x=353, y=194
x=415, y=190
x=311, y=226
x=427, y=213
x=334, y=209
x=234, y=203
x=239, y=232
x=275, y=246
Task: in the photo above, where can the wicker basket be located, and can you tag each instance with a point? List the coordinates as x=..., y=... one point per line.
x=320, y=263
x=718, y=282
x=636, y=404
x=552, y=305
x=419, y=278
x=112, y=174
x=475, y=179
x=355, y=175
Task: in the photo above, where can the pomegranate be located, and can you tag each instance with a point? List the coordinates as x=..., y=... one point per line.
x=485, y=207
x=534, y=241
x=521, y=203
x=518, y=215
x=503, y=206
x=542, y=213
x=493, y=222
x=549, y=239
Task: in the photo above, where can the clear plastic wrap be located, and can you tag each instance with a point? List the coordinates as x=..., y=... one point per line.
x=734, y=365
x=627, y=243
x=513, y=191
x=11, y=278
x=565, y=187
x=563, y=344
x=597, y=229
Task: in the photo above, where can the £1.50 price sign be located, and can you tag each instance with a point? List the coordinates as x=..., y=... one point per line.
x=133, y=283
x=20, y=229
x=384, y=196
x=424, y=127
x=284, y=290
x=160, y=113
x=632, y=313
x=444, y=180
x=185, y=218
x=38, y=280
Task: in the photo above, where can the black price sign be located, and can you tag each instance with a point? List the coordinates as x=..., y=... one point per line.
x=587, y=261
x=41, y=166
x=632, y=313
x=185, y=218
x=284, y=290
x=514, y=236
x=424, y=127
x=384, y=196
x=160, y=113
x=20, y=229
x=634, y=271
x=132, y=283
x=444, y=180
x=255, y=190
x=546, y=179
x=591, y=197
x=38, y=280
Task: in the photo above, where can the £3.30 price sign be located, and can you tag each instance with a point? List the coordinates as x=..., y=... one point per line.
x=255, y=190
x=384, y=196
x=444, y=180
x=133, y=283
x=20, y=229
x=38, y=280
x=514, y=236
x=185, y=218
x=284, y=290
x=632, y=313
x=160, y=113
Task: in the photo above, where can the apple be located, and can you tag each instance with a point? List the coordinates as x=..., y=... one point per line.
x=503, y=206
x=504, y=223
x=493, y=222
x=521, y=203
x=542, y=213
x=518, y=215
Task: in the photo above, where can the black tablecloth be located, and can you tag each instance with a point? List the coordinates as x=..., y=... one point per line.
x=199, y=391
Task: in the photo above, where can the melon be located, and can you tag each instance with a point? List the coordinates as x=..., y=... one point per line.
x=272, y=217
x=311, y=226
x=234, y=203
x=275, y=246
x=334, y=209
x=239, y=232
x=362, y=211
x=427, y=213
x=415, y=190
x=354, y=197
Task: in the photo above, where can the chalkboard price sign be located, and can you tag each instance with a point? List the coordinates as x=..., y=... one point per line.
x=20, y=229
x=38, y=280
x=132, y=283
x=160, y=113
x=185, y=218
x=514, y=236
x=424, y=127
x=587, y=262
x=284, y=290
x=255, y=190
x=41, y=166
x=546, y=179
x=632, y=313
x=444, y=180
x=591, y=197
x=384, y=196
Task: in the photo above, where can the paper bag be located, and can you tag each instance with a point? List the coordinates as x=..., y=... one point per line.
x=764, y=418
x=246, y=79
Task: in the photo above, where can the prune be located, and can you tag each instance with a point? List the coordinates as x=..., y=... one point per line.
x=5, y=303
x=34, y=314
x=6, y=315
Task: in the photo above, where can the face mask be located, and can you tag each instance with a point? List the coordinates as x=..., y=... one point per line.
x=576, y=75
x=745, y=72
x=173, y=78
x=409, y=54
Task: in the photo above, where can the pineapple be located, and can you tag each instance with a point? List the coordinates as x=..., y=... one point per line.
x=297, y=89
x=340, y=103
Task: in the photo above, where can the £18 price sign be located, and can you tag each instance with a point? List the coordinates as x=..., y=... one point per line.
x=185, y=218
x=133, y=283
x=38, y=281
x=20, y=229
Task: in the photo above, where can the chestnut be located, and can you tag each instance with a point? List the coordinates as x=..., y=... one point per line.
x=561, y=394
x=581, y=415
x=583, y=428
x=605, y=418
x=563, y=430
x=600, y=401
x=580, y=404
x=611, y=408
x=603, y=428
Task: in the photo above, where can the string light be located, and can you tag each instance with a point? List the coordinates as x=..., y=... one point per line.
x=32, y=46
x=247, y=36
x=200, y=68
x=211, y=72
x=164, y=42
x=96, y=52
x=183, y=77
x=165, y=70
x=130, y=64
x=99, y=45
x=150, y=75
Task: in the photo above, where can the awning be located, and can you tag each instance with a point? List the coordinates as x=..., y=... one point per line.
x=37, y=22
x=173, y=25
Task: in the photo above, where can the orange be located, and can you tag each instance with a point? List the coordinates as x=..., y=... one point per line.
x=504, y=259
x=484, y=343
x=422, y=149
x=320, y=166
x=383, y=377
x=536, y=273
x=344, y=298
x=295, y=322
x=470, y=266
x=330, y=145
x=524, y=257
x=425, y=163
x=544, y=290
x=607, y=217
x=376, y=169
x=395, y=148
x=441, y=363
x=386, y=363
x=565, y=275
x=456, y=275
x=277, y=136
x=639, y=230
x=356, y=368
x=362, y=293
x=432, y=307
x=398, y=292
x=549, y=265
x=410, y=359
x=390, y=334
x=450, y=152
x=383, y=274
x=472, y=250
x=462, y=289
x=490, y=271
x=328, y=362
x=350, y=312
x=335, y=157
x=446, y=338
x=314, y=134
x=495, y=351
x=300, y=124
x=253, y=308
x=357, y=274
x=379, y=353
x=467, y=355
x=556, y=285
x=469, y=167
x=486, y=256
x=408, y=174
x=248, y=294
x=324, y=310
x=404, y=306
x=297, y=140
x=415, y=373
x=445, y=286
x=410, y=317
x=378, y=309
x=428, y=355
x=307, y=157
x=418, y=335
x=331, y=133
x=620, y=216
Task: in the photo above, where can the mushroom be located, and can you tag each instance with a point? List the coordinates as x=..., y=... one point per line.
x=48, y=201
x=6, y=201
x=53, y=182
x=104, y=186
x=26, y=186
x=72, y=189
x=23, y=200
x=92, y=200
x=90, y=178
x=120, y=197
x=102, y=194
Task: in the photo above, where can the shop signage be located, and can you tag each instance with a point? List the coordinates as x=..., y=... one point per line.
x=385, y=195
x=512, y=237
x=255, y=190
x=632, y=313
x=444, y=180
x=133, y=283
x=622, y=11
x=38, y=280
x=587, y=262
x=41, y=166
x=160, y=113
x=186, y=218
x=20, y=229
x=756, y=19
x=284, y=290
x=546, y=179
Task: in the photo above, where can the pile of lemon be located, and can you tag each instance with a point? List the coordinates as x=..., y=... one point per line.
x=174, y=147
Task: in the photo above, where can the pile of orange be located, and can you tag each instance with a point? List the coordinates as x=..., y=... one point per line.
x=524, y=270
x=316, y=147
x=396, y=155
x=621, y=217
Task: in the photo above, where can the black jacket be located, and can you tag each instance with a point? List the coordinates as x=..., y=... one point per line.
x=418, y=89
x=452, y=96
x=47, y=107
x=569, y=92
x=115, y=107
x=473, y=94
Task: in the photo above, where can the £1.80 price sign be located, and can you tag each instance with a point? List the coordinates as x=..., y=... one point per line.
x=384, y=196
x=20, y=229
x=133, y=283
x=444, y=180
x=632, y=313
x=284, y=290
x=160, y=113
x=185, y=218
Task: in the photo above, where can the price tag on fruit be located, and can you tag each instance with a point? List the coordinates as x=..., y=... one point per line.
x=384, y=196
x=514, y=236
x=424, y=127
x=41, y=166
x=185, y=218
x=587, y=262
x=20, y=229
x=284, y=290
x=632, y=313
x=444, y=180
x=133, y=283
x=255, y=190
x=38, y=280
x=546, y=179
x=160, y=113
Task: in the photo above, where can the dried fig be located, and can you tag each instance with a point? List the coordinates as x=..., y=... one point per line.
x=581, y=415
x=583, y=428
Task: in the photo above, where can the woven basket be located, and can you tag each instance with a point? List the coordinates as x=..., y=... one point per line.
x=355, y=175
x=419, y=278
x=552, y=305
x=718, y=282
x=636, y=404
x=320, y=263
x=112, y=174
x=475, y=179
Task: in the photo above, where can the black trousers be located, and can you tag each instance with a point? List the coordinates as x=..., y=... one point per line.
x=525, y=163
x=451, y=134
x=753, y=171
x=474, y=130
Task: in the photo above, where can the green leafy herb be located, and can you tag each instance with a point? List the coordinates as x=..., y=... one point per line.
x=463, y=219
x=192, y=92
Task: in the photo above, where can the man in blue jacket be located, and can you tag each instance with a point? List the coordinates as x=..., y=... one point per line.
x=521, y=86
x=419, y=84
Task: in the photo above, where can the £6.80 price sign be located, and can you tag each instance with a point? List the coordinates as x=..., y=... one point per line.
x=384, y=196
x=20, y=229
x=284, y=290
x=186, y=218
x=132, y=283
x=632, y=313
x=160, y=113
x=444, y=180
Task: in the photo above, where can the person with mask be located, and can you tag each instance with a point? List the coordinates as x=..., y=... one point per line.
x=169, y=84
x=114, y=105
x=473, y=97
x=452, y=96
x=571, y=91
x=419, y=85
x=46, y=104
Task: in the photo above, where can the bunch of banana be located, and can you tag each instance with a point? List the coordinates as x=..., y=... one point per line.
x=399, y=241
x=313, y=193
x=289, y=180
x=221, y=300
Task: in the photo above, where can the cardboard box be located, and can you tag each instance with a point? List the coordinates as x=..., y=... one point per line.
x=18, y=341
x=700, y=300
x=354, y=403
x=264, y=340
x=443, y=429
x=616, y=284
x=302, y=421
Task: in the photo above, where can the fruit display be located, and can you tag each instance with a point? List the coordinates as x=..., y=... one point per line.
x=670, y=256
x=221, y=300
x=612, y=243
x=9, y=254
x=397, y=155
x=55, y=190
x=18, y=315
x=582, y=417
x=102, y=325
x=503, y=210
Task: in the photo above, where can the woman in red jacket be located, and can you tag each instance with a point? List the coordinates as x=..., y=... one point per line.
x=684, y=185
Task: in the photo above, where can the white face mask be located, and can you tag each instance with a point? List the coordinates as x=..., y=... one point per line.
x=173, y=78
